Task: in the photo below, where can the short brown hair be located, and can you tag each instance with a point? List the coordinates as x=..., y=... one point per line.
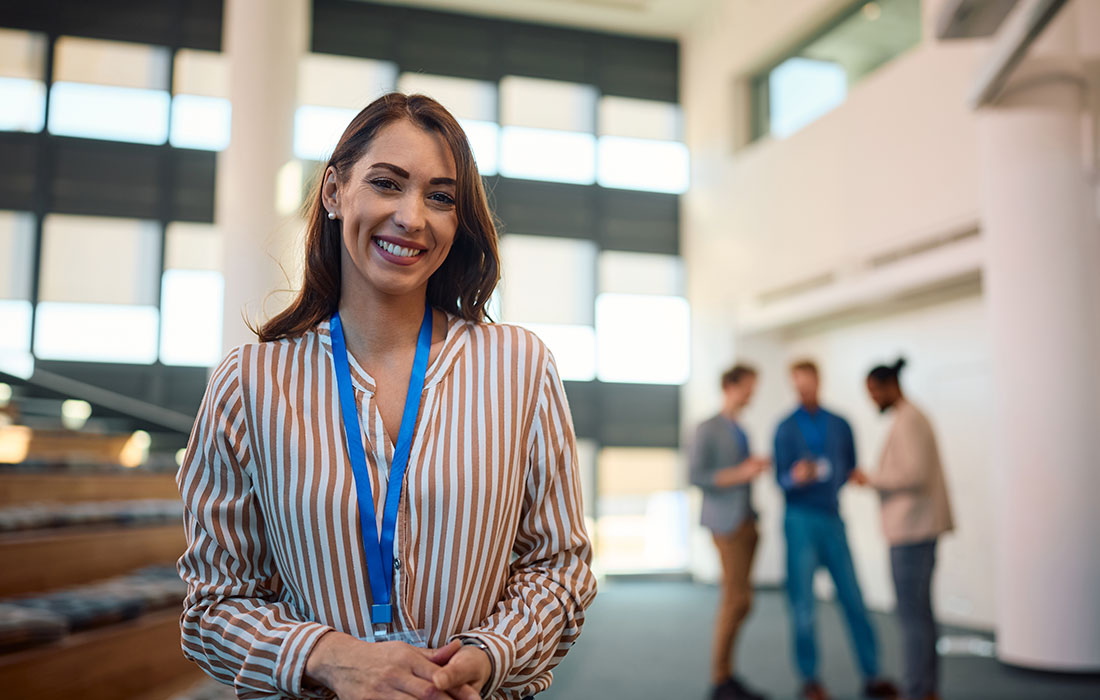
x=805, y=366
x=737, y=373
x=464, y=282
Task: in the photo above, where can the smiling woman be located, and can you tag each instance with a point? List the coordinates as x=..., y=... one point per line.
x=382, y=494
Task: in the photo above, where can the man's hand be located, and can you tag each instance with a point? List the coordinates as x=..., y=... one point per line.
x=859, y=477
x=358, y=670
x=469, y=667
x=741, y=473
x=804, y=471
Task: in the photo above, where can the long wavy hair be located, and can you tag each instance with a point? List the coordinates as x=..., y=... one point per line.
x=464, y=282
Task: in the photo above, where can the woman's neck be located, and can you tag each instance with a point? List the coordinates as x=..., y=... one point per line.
x=377, y=325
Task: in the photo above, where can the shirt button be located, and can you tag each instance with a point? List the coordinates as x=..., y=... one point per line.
x=397, y=564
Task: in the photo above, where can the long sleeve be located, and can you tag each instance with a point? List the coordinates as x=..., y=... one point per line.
x=541, y=608
x=701, y=460
x=233, y=625
x=911, y=451
x=786, y=454
x=849, y=442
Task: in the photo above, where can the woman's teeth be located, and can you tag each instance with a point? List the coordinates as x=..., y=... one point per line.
x=397, y=250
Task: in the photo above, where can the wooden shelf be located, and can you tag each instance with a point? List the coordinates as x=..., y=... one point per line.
x=119, y=662
x=74, y=487
x=43, y=560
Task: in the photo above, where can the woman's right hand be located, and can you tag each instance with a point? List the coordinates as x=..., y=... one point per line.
x=358, y=670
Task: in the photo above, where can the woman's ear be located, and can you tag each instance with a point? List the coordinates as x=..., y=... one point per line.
x=330, y=192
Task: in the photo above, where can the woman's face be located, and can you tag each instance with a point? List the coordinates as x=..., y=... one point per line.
x=397, y=210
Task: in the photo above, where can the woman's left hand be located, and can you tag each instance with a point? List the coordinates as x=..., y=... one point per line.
x=469, y=666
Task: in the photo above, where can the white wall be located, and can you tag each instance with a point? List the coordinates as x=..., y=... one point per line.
x=896, y=164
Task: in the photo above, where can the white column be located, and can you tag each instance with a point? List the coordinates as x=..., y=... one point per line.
x=263, y=42
x=1043, y=263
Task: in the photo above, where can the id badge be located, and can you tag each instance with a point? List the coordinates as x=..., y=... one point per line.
x=824, y=469
x=416, y=638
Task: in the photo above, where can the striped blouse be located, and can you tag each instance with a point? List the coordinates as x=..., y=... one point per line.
x=490, y=540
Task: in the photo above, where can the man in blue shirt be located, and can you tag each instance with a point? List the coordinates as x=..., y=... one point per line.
x=814, y=456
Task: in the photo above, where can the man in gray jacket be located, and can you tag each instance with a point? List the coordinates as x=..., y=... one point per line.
x=722, y=465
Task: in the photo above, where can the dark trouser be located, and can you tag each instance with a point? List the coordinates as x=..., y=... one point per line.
x=912, y=566
x=735, y=550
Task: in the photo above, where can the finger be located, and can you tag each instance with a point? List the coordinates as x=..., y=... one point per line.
x=443, y=654
x=458, y=672
x=422, y=667
x=419, y=688
x=464, y=692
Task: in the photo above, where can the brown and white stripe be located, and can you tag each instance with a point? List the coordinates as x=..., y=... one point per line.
x=490, y=536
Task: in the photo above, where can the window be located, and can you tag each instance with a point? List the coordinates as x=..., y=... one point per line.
x=548, y=130
x=331, y=91
x=110, y=90
x=563, y=320
x=192, y=290
x=640, y=146
x=22, y=81
x=642, y=339
x=16, y=259
x=472, y=102
x=98, y=290
x=201, y=112
x=642, y=512
x=641, y=273
x=815, y=77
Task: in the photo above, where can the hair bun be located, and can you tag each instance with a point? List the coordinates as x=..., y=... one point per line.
x=899, y=365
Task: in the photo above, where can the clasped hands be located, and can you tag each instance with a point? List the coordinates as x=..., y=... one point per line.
x=358, y=670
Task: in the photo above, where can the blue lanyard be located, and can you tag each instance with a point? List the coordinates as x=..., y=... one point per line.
x=379, y=549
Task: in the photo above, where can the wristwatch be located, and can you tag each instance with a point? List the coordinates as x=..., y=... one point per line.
x=475, y=642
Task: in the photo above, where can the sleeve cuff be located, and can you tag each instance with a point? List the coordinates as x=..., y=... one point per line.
x=290, y=664
x=501, y=651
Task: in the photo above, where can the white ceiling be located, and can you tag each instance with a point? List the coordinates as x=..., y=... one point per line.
x=659, y=18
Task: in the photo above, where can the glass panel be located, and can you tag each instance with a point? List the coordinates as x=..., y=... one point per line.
x=203, y=73
x=99, y=260
x=22, y=86
x=532, y=265
x=116, y=63
x=16, y=254
x=200, y=122
x=574, y=349
x=815, y=78
x=642, y=164
x=643, y=519
x=538, y=154
x=642, y=119
x=318, y=129
x=191, y=317
x=641, y=273
x=484, y=138
x=642, y=339
x=113, y=113
x=342, y=81
x=96, y=332
x=464, y=98
x=191, y=246
x=547, y=104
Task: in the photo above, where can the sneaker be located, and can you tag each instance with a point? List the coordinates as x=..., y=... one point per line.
x=813, y=690
x=880, y=688
x=734, y=689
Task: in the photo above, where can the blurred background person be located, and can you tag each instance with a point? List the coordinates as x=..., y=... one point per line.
x=916, y=511
x=723, y=467
x=814, y=455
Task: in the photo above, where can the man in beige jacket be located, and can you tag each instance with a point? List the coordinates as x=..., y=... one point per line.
x=915, y=512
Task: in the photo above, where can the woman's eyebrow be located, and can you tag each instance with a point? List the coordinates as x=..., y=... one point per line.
x=401, y=172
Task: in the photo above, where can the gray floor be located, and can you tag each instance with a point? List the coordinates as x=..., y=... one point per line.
x=647, y=640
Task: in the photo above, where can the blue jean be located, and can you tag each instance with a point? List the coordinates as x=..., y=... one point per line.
x=817, y=538
x=912, y=566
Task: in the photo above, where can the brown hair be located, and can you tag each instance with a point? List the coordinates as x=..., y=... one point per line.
x=464, y=282
x=735, y=374
x=805, y=366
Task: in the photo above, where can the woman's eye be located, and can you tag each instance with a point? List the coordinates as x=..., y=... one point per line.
x=442, y=198
x=384, y=183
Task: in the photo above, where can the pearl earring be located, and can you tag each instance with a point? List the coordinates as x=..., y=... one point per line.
x=332, y=215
